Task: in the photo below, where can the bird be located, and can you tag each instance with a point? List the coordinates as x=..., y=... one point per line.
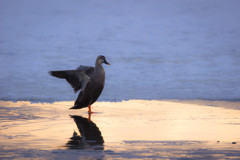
x=89, y=80
x=90, y=135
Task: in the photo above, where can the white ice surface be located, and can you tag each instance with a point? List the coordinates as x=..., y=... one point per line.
x=178, y=49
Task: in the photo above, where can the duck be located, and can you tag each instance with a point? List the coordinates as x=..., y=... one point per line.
x=86, y=79
x=90, y=135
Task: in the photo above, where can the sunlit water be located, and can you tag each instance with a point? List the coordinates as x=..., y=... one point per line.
x=129, y=129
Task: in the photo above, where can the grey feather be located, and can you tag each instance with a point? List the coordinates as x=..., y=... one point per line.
x=86, y=69
x=77, y=79
x=90, y=80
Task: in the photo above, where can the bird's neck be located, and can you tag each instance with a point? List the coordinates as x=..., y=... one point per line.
x=99, y=67
x=99, y=73
x=97, y=63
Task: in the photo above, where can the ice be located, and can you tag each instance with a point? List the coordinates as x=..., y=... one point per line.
x=158, y=49
x=134, y=129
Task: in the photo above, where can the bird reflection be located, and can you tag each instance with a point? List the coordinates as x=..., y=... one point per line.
x=90, y=136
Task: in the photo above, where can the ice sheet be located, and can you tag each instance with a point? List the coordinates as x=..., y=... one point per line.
x=134, y=129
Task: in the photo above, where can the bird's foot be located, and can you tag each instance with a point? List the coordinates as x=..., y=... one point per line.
x=89, y=117
x=90, y=112
x=89, y=109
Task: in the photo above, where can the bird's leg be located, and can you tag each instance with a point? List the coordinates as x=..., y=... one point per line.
x=89, y=109
x=89, y=117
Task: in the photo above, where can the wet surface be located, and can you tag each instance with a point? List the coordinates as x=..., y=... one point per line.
x=129, y=129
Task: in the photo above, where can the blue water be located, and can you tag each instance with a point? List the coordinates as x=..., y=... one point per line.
x=157, y=49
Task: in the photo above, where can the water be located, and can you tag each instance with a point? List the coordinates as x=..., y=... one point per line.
x=135, y=129
x=158, y=49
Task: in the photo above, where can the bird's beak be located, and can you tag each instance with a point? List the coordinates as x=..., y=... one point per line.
x=106, y=62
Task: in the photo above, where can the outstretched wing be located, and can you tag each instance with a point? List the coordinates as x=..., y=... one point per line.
x=76, y=78
x=86, y=69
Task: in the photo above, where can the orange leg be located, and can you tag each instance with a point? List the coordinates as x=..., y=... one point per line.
x=89, y=117
x=89, y=109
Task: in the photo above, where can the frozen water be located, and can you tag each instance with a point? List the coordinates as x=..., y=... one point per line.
x=135, y=129
x=158, y=49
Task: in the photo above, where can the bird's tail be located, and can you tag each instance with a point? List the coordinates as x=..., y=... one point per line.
x=80, y=102
x=76, y=106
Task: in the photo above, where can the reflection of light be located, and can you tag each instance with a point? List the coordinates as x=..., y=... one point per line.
x=46, y=125
x=37, y=125
x=161, y=120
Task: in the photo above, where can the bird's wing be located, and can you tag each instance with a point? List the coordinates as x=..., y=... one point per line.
x=86, y=69
x=76, y=78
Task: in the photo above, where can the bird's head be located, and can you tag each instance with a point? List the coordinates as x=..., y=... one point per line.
x=101, y=59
